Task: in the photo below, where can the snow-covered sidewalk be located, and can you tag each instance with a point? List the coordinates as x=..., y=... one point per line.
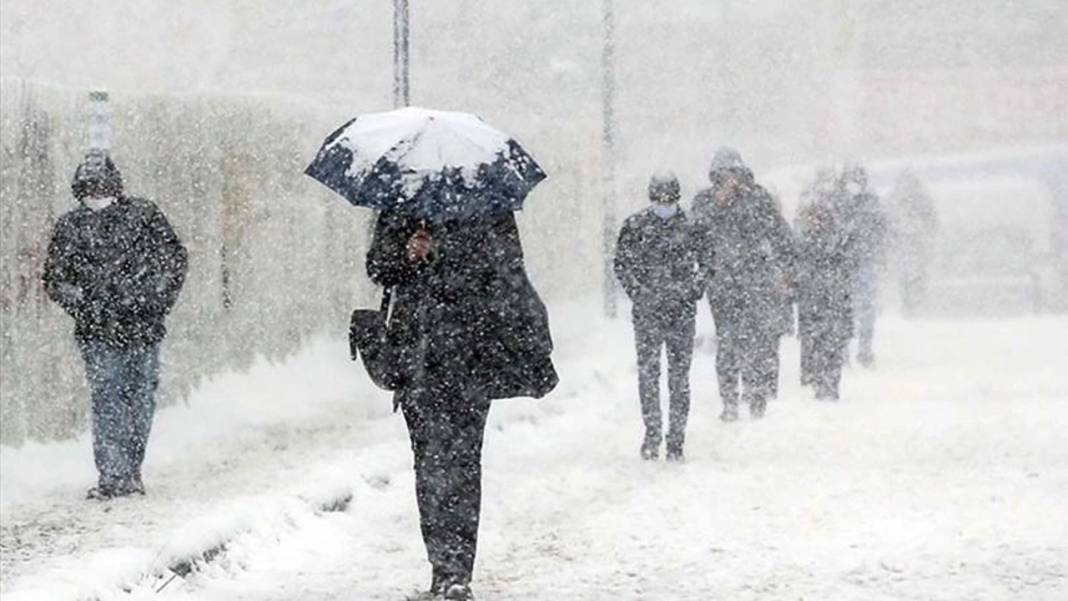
x=942, y=475
x=253, y=439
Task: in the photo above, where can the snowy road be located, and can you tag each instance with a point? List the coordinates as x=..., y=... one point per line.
x=942, y=475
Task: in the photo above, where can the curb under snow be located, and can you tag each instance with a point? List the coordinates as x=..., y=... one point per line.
x=115, y=573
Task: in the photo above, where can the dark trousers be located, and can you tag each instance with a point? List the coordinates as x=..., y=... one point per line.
x=446, y=429
x=864, y=294
x=747, y=362
x=122, y=385
x=776, y=368
x=913, y=291
x=675, y=333
x=823, y=352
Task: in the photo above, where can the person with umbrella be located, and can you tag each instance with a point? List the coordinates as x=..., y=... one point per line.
x=467, y=326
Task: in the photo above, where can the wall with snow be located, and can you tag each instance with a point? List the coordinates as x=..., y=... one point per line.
x=275, y=256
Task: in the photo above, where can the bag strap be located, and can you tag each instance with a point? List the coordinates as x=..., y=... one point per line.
x=387, y=297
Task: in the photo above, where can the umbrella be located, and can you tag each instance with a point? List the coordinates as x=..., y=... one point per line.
x=426, y=163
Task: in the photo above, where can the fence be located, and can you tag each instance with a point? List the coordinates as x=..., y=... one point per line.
x=268, y=265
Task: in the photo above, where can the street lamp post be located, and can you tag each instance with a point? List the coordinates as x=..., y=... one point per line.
x=401, y=38
x=608, y=139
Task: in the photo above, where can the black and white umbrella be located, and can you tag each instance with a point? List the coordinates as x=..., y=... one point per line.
x=426, y=163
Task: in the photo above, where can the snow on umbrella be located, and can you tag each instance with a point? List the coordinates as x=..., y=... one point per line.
x=426, y=163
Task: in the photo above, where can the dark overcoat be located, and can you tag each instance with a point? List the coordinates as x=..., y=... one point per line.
x=468, y=317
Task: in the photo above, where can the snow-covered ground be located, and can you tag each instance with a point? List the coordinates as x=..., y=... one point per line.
x=942, y=475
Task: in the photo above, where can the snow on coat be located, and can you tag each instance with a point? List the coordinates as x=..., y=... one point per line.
x=116, y=271
x=468, y=314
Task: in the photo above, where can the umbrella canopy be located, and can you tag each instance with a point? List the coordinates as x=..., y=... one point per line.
x=426, y=163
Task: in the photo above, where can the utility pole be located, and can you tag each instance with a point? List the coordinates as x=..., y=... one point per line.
x=845, y=92
x=401, y=46
x=608, y=139
x=99, y=121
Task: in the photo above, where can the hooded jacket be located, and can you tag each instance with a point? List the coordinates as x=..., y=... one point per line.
x=751, y=250
x=116, y=271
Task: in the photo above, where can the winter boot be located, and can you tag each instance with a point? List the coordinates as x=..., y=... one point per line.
x=133, y=486
x=730, y=413
x=101, y=492
x=459, y=592
x=757, y=407
x=866, y=360
x=424, y=596
x=650, y=450
x=826, y=392
x=674, y=455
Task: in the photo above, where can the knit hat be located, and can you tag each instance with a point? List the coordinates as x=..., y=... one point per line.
x=97, y=175
x=855, y=172
x=664, y=187
x=727, y=159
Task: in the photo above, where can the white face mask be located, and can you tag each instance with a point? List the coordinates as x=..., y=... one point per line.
x=665, y=211
x=100, y=203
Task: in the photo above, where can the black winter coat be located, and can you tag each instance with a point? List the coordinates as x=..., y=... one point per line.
x=657, y=264
x=752, y=252
x=824, y=301
x=469, y=316
x=117, y=272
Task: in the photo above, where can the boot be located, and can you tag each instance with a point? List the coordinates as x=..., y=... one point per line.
x=650, y=451
x=730, y=413
x=459, y=592
x=757, y=407
x=825, y=392
x=674, y=455
x=866, y=360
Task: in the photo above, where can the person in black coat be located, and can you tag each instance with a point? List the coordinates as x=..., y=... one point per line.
x=116, y=266
x=861, y=215
x=656, y=263
x=751, y=250
x=825, y=310
x=466, y=327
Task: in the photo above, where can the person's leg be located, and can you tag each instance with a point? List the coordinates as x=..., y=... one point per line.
x=776, y=367
x=822, y=355
x=804, y=337
x=463, y=491
x=446, y=431
x=910, y=293
x=837, y=351
x=758, y=358
x=103, y=372
x=425, y=435
x=142, y=370
x=834, y=371
x=649, y=340
x=679, y=357
x=728, y=365
x=864, y=310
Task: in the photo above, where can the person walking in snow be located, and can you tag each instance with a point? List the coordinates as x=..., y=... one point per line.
x=656, y=262
x=862, y=217
x=467, y=327
x=751, y=249
x=825, y=309
x=116, y=266
x=913, y=233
